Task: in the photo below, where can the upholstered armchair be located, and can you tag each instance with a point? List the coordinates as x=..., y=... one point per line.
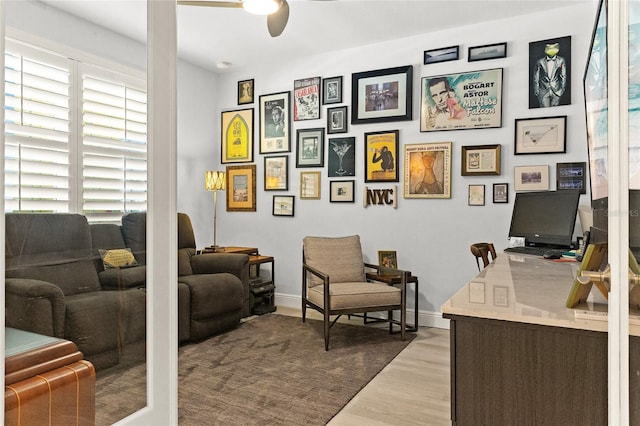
x=334, y=283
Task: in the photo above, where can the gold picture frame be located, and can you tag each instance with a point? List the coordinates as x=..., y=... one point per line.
x=387, y=259
x=241, y=188
x=310, y=185
x=237, y=136
x=427, y=170
x=481, y=160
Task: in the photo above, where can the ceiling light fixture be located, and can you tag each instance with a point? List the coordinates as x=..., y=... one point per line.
x=261, y=7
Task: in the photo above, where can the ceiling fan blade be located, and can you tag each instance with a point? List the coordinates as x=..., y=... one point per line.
x=209, y=3
x=277, y=21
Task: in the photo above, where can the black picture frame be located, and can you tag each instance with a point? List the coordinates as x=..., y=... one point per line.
x=443, y=54
x=571, y=176
x=476, y=195
x=487, y=51
x=245, y=91
x=500, y=193
x=341, y=156
x=283, y=205
x=310, y=147
x=538, y=78
x=275, y=139
x=306, y=99
x=332, y=90
x=337, y=120
x=276, y=173
x=540, y=135
x=342, y=191
x=382, y=95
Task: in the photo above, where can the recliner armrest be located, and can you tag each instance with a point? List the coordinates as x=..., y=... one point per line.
x=213, y=263
x=34, y=305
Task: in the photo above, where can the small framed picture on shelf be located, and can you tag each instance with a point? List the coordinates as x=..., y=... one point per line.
x=481, y=160
x=337, y=120
x=571, y=176
x=283, y=205
x=443, y=54
x=310, y=147
x=310, y=185
x=276, y=170
x=541, y=135
x=342, y=191
x=332, y=90
x=245, y=92
x=476, y=195
x=341, y=157
x=531, y=178
x=387, y=259
x=500, y=193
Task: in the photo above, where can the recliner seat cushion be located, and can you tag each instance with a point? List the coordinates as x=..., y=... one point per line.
x=353, y=295
x=342, y=256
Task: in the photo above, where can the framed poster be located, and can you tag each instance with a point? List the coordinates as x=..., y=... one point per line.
x=550, y=72
x=531, y=178
x=500, y=193
x=337, y=120
x=381, y=156
x=341, y=157
x=382, y=95
x=470, y=100
x=283, y=205
x=476, y=195
x=571, y=176
x=541, y=135
x=427, y=170
x=245, y=92
x=480, y=160
x=274, y=123
x=310, y=147
x=332, y=90
x=276, y=172
x=444, y=54
x=306, y=97
x=488, y=51
x=241, y=188
x=237, y=136
x=310, y=185
x=342, y=191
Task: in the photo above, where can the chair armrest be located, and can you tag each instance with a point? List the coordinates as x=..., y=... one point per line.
x=213, y=263
x=314, y=271
x=35, y=306
x=382, y=272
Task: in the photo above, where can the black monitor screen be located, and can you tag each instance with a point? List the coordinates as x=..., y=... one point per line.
x=545, y=218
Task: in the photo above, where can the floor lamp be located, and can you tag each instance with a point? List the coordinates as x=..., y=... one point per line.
x=215, y=181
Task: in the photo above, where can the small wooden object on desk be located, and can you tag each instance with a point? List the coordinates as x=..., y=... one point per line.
x=395, y=279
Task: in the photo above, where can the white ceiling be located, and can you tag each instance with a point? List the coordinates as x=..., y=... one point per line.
x=209, y=35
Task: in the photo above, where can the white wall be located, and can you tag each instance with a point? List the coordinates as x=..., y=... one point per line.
x=431, y=237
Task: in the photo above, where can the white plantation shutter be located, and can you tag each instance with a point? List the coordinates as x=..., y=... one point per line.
x=75, y=136
x=37, y=130
x=114, y=145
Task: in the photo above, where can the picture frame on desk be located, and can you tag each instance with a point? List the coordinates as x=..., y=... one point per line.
x=387, y=259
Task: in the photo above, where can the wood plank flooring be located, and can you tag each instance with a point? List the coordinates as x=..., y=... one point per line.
x=413, y=389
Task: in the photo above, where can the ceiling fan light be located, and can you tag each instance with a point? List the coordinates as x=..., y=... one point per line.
x=261, y=7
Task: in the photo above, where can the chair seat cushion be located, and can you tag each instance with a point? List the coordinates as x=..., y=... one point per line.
x=354, y=295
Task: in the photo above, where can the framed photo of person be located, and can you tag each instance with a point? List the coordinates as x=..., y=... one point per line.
x=283, y=205
x=310, y=185
x=237, y=136
x=241, y=188
x=337, y=120
x=500, y=193
x=342, y=191
x=310, y=147
x=427, y=170
x=480, y=160
x=245, y=92
x=306, y=99
x=274, y=123
x=332, y=90
x=382, y=95
x=381, y=156
x=341, y=157
x=550, y=72
x=469, y=100
x=276, y=172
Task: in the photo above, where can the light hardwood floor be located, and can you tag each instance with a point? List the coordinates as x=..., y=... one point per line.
x=413, y=389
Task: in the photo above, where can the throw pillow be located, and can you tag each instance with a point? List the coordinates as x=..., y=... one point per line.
x=117, y=258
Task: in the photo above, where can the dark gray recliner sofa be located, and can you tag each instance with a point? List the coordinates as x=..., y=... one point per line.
x=56, y=285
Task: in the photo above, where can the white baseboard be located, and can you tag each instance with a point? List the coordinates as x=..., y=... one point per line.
x=425, y=319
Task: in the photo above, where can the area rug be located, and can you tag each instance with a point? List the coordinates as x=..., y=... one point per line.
x=271, y=370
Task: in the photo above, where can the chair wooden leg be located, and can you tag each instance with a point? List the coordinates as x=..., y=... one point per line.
x=304, y=310
x=326, y=330
x=403, y=321
x=390, y=318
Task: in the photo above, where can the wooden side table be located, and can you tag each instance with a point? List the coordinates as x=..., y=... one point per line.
x=395, y=279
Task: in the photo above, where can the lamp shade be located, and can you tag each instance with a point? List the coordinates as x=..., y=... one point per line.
x=261, y=7
x=215, y=181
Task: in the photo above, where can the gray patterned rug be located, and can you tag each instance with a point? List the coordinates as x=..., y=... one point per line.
x=271, y=370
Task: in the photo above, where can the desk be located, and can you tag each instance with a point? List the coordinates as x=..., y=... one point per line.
x=395, y=279
x=519, y=356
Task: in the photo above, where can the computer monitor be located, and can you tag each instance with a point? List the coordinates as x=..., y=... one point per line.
x=545, y=218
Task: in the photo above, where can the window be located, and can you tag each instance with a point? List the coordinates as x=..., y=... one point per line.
x=75, y=136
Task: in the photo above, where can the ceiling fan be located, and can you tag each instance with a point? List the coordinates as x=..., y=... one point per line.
x=277, y=11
